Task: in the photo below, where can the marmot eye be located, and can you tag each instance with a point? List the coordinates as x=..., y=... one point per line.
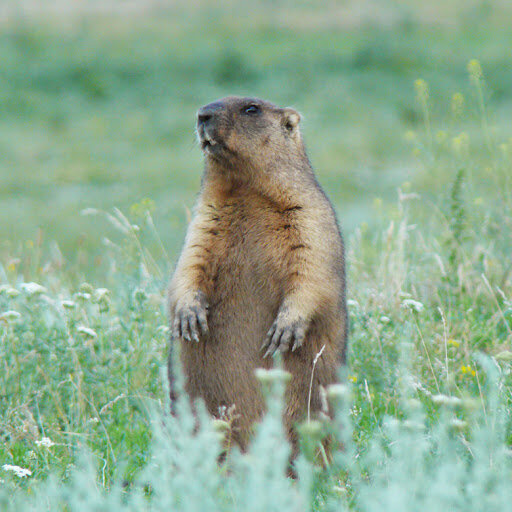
x=251, y=109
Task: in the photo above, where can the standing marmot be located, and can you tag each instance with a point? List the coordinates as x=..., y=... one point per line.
x=262, y=268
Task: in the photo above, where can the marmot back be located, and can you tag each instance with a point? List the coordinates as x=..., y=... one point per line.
x=262, y=269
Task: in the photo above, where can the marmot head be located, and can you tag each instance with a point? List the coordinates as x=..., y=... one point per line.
x=248, y=131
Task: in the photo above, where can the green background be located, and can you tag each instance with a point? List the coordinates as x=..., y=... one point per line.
x=99, y=110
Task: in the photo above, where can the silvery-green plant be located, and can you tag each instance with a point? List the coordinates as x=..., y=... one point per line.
x=407, y=465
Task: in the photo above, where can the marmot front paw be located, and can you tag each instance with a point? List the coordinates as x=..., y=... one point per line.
x=286, y=331
x=190, y=317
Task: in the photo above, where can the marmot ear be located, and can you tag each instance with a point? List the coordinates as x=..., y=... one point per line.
x=291, y=119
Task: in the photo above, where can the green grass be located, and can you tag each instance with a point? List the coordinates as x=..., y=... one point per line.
x=100, y=116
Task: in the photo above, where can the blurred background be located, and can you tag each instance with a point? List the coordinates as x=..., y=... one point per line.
x=98, y=102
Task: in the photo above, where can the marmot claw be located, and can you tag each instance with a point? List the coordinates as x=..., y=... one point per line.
x=283, y=335
x=190, y=318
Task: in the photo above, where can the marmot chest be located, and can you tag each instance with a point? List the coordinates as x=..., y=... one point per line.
x=249, y=244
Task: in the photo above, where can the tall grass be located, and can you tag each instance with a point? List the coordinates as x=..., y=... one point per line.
x=424, y=416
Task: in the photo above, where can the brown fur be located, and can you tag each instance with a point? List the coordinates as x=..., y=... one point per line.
x=263, y=252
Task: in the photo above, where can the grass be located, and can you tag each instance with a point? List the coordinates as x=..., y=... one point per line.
x=102, y=121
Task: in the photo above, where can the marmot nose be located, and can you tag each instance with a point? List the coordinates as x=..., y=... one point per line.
x=206, y=114
x=203, y=118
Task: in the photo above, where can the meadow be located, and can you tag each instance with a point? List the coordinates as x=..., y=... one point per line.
x=407, y=123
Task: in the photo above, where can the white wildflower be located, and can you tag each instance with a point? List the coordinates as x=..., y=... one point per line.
x=457, y=424
x=8, y=290
x=17, y=470
x=416, y=384
x=83, y=296
x=10, y=315
x=339, y=491
x=86, y=288
x=32, y=288
x=163, y=329
x=109, y=242
x=384, y=319
x=413, y=305
x=68, y=304
x=408, y=196
x=450, y=401
x=352, y=303
x=46, y=442
x=89, y=211
x=355, y=411
x=101, y=294
x=87, y=331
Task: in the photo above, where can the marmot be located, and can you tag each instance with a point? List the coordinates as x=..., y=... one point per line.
x=262, y=268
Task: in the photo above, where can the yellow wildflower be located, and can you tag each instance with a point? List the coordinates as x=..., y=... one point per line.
x=457, y=104
x=468, y=370
x=460, y=143
x=475, y=69
x=410, y=136
x=421, y=88
x=441, y=136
